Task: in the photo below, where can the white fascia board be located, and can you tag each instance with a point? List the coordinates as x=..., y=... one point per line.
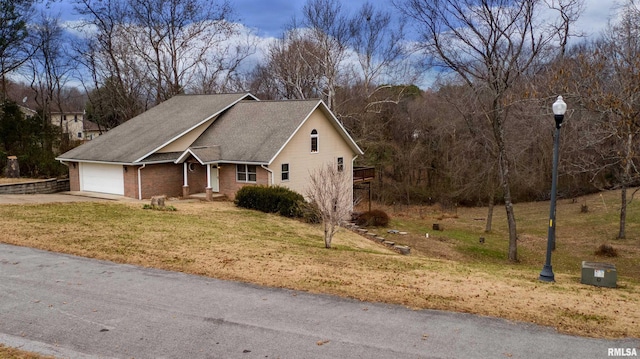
x=345, y=135
x=195, y=126
x=100, y=162
x=184, y=155
x=343, y=130
x=291, y=136
x=242, y=162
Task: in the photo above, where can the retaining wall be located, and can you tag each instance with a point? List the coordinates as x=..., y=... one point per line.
x=51, y=185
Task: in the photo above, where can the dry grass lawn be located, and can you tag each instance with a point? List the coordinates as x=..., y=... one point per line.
x=12, y=353
x=450, y=270
x=4, y=180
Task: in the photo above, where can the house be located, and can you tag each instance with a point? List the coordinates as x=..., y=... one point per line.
x=75, y=125
x=91, y=130
x=213, y=144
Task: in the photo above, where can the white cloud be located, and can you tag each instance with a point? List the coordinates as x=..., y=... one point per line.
x=595, y=17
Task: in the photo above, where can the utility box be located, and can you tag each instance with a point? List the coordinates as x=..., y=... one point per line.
x=599, y=274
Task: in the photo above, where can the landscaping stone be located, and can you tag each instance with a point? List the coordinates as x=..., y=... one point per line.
x=157, y=201
x=389, y=243
x=402, y=233
x=12, y=170
x=403, y=249
x=362, y=230
x=393, y=231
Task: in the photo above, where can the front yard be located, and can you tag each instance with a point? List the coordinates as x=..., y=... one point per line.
x=447, y=271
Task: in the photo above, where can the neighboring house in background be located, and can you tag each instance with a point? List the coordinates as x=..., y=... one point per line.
x=27, y=112
x=91, y=130
x=72, y=123
x=213, y=144
x=75, y=125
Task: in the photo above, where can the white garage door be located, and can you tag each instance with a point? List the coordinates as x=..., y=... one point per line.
x=96, y=177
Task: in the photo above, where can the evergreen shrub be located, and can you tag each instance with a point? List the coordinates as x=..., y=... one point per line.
x=270, y=199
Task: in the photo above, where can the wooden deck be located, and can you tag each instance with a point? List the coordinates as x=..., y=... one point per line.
x=364, y=174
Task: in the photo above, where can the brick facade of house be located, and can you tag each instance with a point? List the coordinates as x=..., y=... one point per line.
x=168, y=179
x=229, y=185
x=162, y=179
x=74, y=176
x=131, y=181
x=196, y=177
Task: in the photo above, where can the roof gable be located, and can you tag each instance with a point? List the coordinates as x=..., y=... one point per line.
x=144, y=134
x=333, y=120
x=255, y=131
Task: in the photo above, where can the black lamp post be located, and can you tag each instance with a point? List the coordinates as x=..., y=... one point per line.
x=559, y=108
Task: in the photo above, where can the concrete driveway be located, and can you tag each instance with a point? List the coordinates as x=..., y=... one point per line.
x=75, y=307
x=60, y=197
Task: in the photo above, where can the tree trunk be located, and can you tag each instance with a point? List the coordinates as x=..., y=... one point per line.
x=328, y=234
x=503, y=168
x=623, y=212
x=511, y=221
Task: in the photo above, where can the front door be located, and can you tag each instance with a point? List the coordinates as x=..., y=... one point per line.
x=215, y=181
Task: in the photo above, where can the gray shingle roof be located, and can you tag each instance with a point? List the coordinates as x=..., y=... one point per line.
x=254, y=131
x=142, y=135
x=207, y=154
x=245, y=130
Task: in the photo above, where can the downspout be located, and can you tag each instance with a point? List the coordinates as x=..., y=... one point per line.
x=270, y=173
x=140, y=181
x=208, y=175
x=353, y=160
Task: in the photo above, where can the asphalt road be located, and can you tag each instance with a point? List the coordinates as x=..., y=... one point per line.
x=74, y=307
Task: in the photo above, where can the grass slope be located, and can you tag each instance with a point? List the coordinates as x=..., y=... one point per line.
x=450, y=270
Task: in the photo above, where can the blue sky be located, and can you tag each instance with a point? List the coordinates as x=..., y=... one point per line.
x=269, y=17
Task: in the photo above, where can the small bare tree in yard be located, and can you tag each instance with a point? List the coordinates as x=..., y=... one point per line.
x=330, y=188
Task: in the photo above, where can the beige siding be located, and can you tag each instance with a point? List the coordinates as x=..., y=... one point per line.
x=302, y=161
x=185, y=141
x=71, y=124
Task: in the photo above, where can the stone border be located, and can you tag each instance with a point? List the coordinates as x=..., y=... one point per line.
x=406, y=250
x=51, y=185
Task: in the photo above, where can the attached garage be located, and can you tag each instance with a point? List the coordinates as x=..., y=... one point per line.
x=103, y=178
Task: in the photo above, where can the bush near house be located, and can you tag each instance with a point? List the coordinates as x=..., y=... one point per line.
x=270, y=199
x=374, y=218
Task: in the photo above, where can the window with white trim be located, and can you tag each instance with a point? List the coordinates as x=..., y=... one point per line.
x=246, y=173
x=285, y=172
x=314, y=141
x=340, y=164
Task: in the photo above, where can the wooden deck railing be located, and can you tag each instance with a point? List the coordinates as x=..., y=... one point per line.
x=363, y=174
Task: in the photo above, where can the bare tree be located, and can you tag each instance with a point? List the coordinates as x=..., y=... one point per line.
x=489, y=45
x=569, y=11
x=14, y=49
x=331, y=190
x=293, y=69
x=50, y=67
x=112, y=70
x=328, y=29
x=379, y=47
x=146, y=51
x=173, y=38
x=609, y=86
